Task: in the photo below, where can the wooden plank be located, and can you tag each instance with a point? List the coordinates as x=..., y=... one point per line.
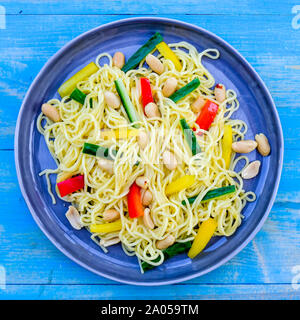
x=149, y=7
x=174, y=292
x=30, y=258
x=21, y=58
x=34, y=268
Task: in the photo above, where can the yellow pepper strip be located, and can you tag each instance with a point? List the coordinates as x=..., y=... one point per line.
x=205, y=233
x=180, y=184
x=226, y=145
x=167, y=53
x=107, y=227
x=122, y=133
x=67, y=87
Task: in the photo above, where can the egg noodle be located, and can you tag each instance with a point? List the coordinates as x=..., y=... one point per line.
x=102, y=191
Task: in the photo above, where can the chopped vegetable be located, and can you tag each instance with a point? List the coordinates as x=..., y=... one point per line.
x=167, y=53
x=184, y=91
x=130, y=110
x=67, y=87
x=78, y=96
x=134, y=200
x=64, y=176
x=146, y=91
x=70, y=185
x=107, y=227
x=98, y=151
x=180, y=184
x=175, y=249
x=213, y=194
x=207, y=115
x=122, y=133
x=190, y=137
x=142, y=52
x=226, y=145
x=205, y=233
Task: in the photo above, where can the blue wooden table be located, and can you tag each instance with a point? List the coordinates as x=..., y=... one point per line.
x=266, y=33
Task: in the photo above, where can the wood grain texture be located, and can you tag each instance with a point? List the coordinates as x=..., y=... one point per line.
x=173, y=292
x=21, y=58
x=149, y=7
x=262, y=33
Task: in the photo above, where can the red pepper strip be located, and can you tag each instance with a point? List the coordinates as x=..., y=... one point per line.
x=70, y=185
x=134, y=200
x=207, y=115
x=146, y=91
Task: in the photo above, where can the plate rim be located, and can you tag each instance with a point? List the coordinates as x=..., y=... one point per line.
x=247, y=65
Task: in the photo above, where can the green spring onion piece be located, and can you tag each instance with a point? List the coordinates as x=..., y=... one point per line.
x=184, y=91
x=213, y=194
x=190, y=137
x=142, y=52
x=98, y=151
x=176, y=248
x=147, y=266
x=129, y=108
x=78, y=96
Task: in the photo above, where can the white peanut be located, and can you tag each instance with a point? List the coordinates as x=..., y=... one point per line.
x=118, y=60
x=112, y=99
x=251, y=170
x=111, y=215
x=147, y=197
x=51, y=112
x=169, y=160
x=220, y=93
x=109, y=242
x=244, y=146
x=142, y=139
x=142, y=182
x=147, y=219
x=151, y=110
x=198, y=104
x=169, y=87
x=155, y=64
x=106, y=165
x=165, y=243
x=263, y=145
x=74, y=218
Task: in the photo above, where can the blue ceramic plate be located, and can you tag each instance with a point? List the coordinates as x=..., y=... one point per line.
x=32, y=156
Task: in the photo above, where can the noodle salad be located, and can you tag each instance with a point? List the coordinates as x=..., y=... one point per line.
x=146, y=151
